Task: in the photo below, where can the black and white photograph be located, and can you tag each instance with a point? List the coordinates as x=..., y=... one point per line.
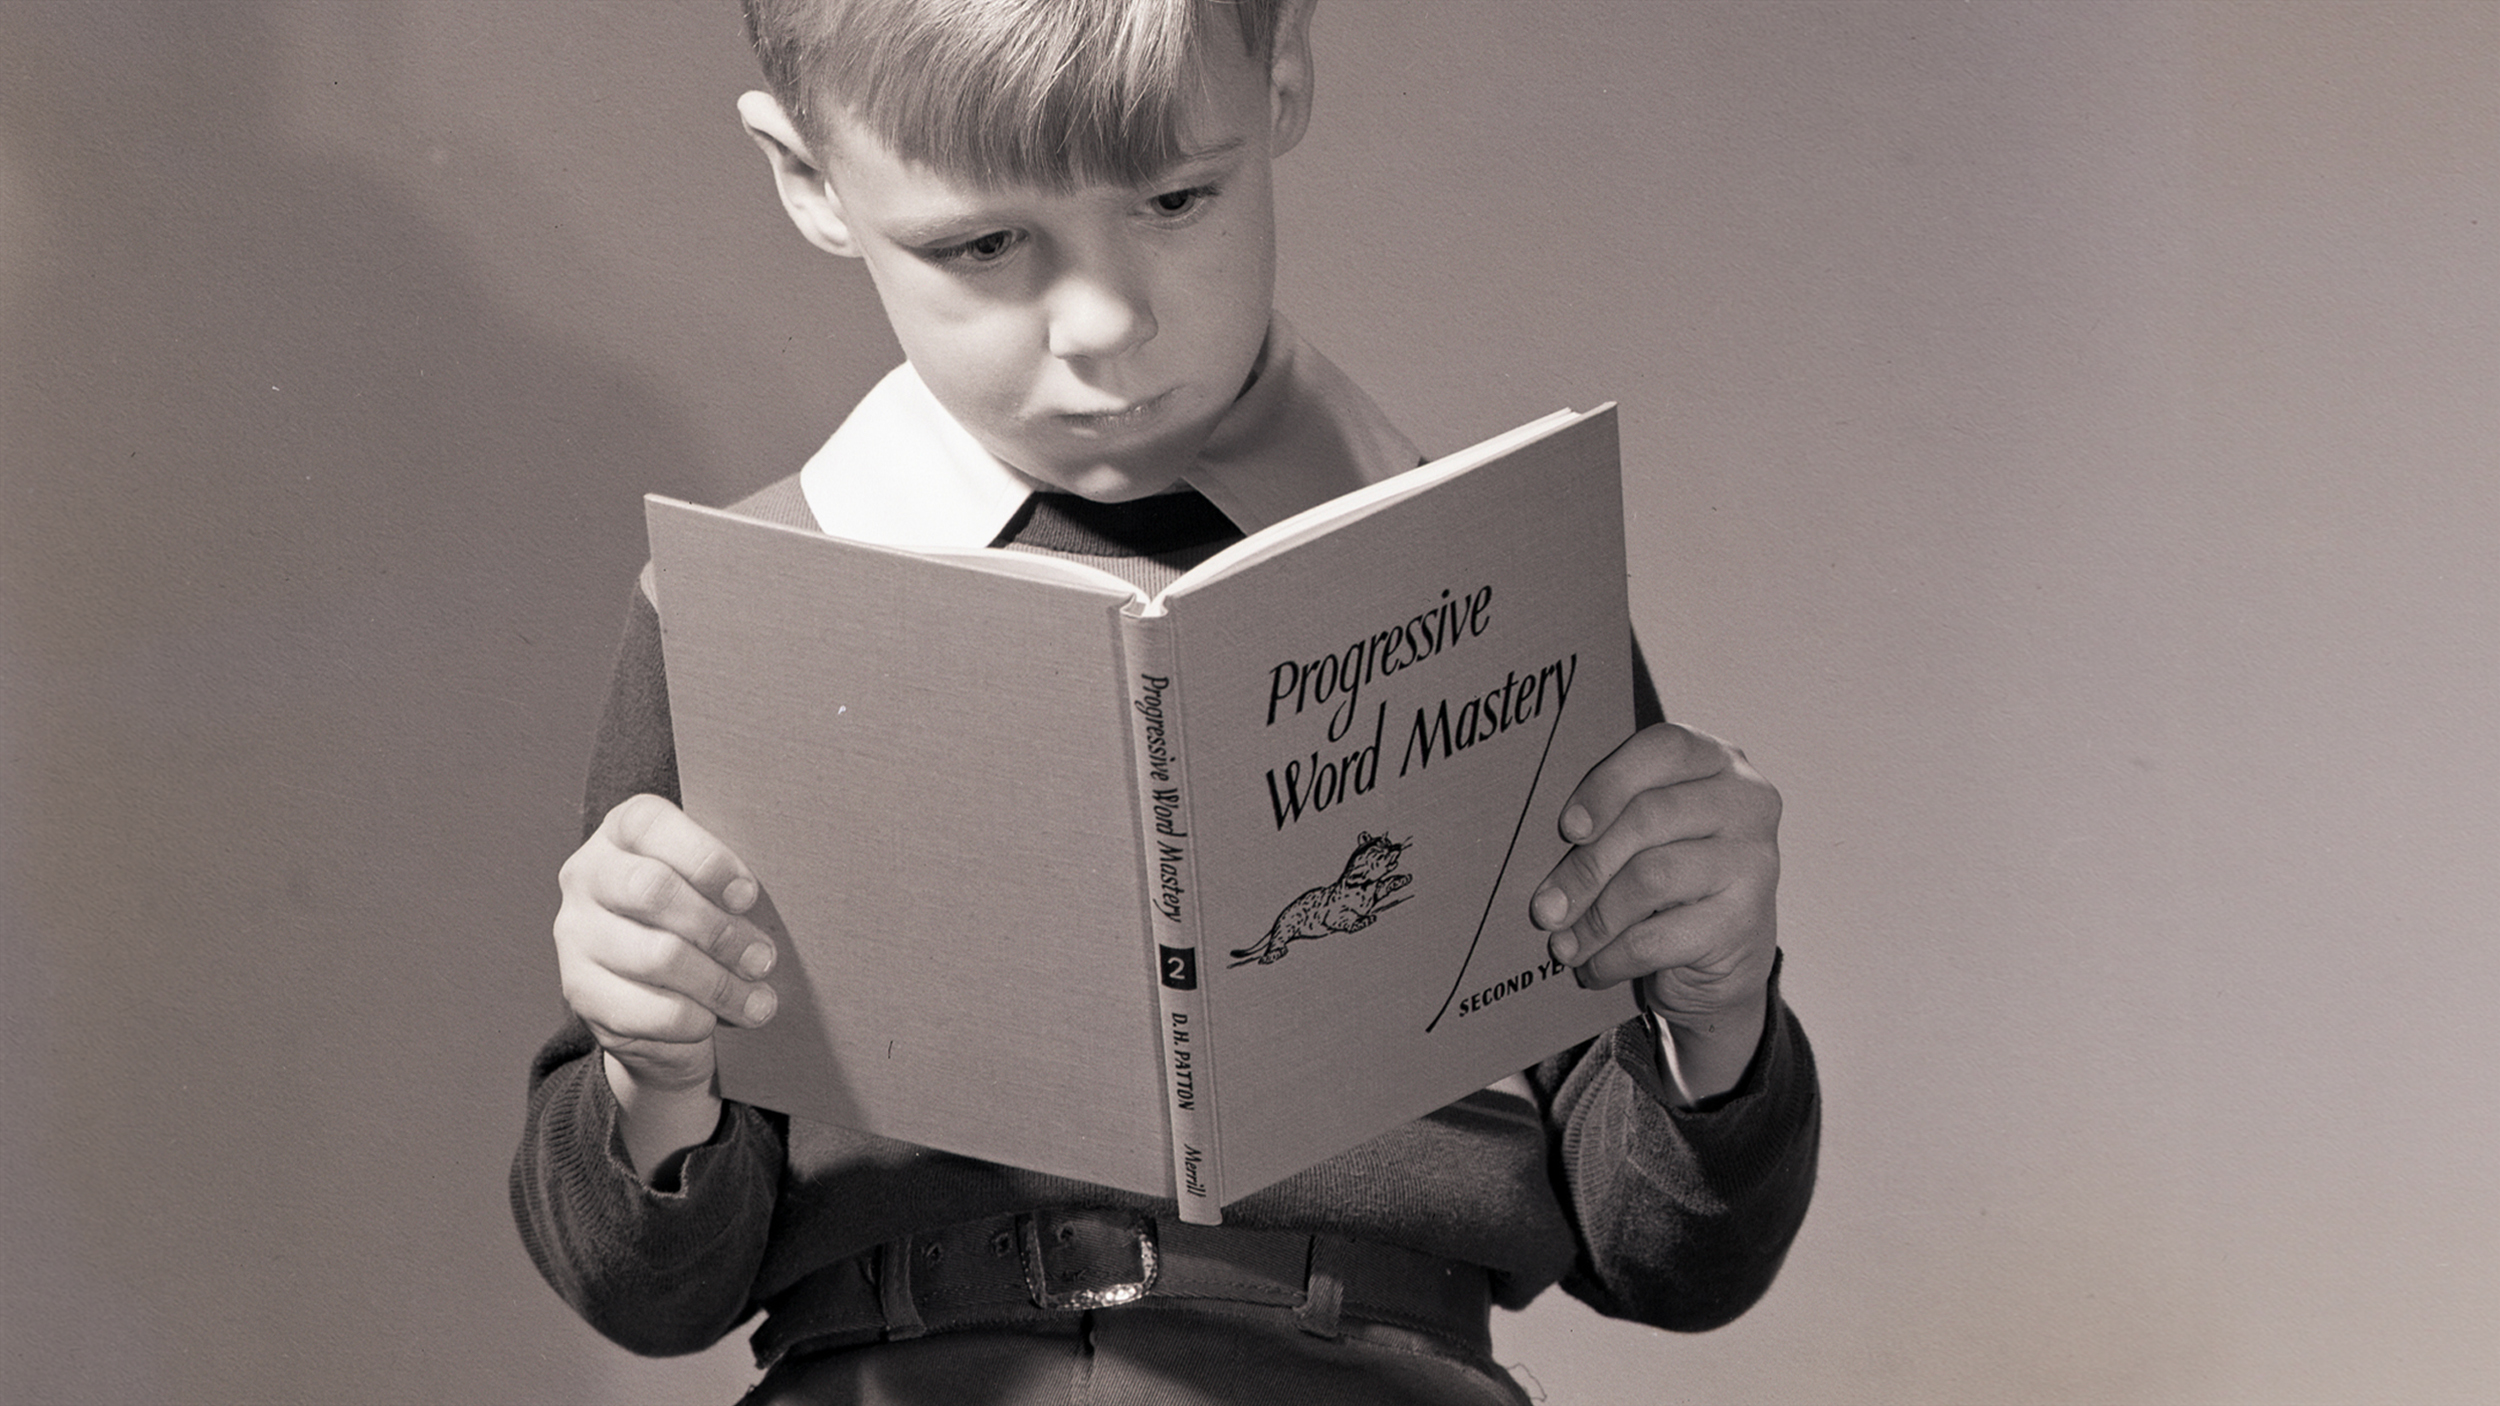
x=1582, y=703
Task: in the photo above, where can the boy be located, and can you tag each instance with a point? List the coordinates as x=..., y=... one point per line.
x=1064, y=205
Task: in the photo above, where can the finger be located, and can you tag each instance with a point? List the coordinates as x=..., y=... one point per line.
x=1652, y=818
x=650, y=960
x=1654, y=757
x=1666, y=940
x=656, y=895
x=648, y=825
x=1651, y=881
x=1698, y=910
x=624, y=1014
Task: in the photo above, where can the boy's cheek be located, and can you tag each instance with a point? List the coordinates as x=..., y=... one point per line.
x=983, y=400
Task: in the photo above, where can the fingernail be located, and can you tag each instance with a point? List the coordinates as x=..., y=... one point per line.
x=1581, y=975
x=1565, y=947
x=1576, y=824
x=740, y=895
x=756, y=960
x=760, y=1005
x=1549, y=908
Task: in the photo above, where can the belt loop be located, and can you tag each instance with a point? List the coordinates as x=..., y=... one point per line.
x=1324, y=1295
x=902, y=1315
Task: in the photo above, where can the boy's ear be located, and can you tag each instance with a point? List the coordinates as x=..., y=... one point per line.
x=806, y=192
x=1289, y=77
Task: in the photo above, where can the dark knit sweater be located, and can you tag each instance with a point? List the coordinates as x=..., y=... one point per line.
x=1673, y=1217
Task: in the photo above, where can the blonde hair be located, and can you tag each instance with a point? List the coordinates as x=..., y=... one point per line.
x=1057, y=93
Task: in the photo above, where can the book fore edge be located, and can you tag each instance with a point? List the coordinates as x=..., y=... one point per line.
x=1184, y=1034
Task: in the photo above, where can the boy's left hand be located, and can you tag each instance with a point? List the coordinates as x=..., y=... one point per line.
x=1671, y=881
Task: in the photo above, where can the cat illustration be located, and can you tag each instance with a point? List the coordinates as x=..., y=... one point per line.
x=1359, y=896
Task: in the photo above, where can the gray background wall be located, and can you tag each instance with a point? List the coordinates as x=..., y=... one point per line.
x=2063, y=441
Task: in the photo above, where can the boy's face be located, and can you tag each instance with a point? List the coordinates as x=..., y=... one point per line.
x=1089, y=338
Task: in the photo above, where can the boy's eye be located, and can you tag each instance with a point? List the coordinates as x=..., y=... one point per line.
x=982, y=249
x=1184, y=201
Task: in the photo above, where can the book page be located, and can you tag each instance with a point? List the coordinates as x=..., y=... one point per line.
x=1031, y=566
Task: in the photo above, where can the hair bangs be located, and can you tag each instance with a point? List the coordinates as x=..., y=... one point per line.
x=1055, y=93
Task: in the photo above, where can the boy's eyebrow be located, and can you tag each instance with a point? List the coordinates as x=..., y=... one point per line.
x=935, y=230
x=1196, y=156
x=938, y=228
x=1191, y=158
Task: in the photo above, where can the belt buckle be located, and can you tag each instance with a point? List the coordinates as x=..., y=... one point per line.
x=1078, y=1261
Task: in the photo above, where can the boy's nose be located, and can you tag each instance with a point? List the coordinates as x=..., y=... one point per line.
x=1094, y=317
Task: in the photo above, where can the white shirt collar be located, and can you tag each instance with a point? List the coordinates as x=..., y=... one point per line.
x=902, y=472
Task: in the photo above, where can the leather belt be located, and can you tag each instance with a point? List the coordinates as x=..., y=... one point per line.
x=1046, y=1267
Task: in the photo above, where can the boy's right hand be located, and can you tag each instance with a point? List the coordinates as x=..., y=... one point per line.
x=655, y=949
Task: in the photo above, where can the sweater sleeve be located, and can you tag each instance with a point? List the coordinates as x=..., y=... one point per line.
x=1683, y=1215
x=665, y=1269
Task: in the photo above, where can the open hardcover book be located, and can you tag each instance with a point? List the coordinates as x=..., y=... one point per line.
x=1179, y=895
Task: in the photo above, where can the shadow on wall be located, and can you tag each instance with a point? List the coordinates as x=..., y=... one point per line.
x=310, y=558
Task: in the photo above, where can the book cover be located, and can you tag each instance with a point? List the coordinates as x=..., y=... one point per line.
x=1015, y=818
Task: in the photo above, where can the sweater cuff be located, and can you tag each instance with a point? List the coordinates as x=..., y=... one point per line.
x=660, y=1271
x=697, y=1185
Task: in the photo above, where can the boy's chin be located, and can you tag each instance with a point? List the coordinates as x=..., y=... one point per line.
x=1110, y=482
x=1121, y=490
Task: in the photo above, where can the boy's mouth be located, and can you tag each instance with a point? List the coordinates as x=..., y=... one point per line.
x=1124, y=417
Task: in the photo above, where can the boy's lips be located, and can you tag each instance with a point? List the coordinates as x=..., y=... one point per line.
x=1118, y=418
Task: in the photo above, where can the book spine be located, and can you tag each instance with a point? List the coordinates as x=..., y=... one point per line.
x=1169, y=853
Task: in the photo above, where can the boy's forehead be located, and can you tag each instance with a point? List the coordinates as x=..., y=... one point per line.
x=1218, y=105
x=1213, y=125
